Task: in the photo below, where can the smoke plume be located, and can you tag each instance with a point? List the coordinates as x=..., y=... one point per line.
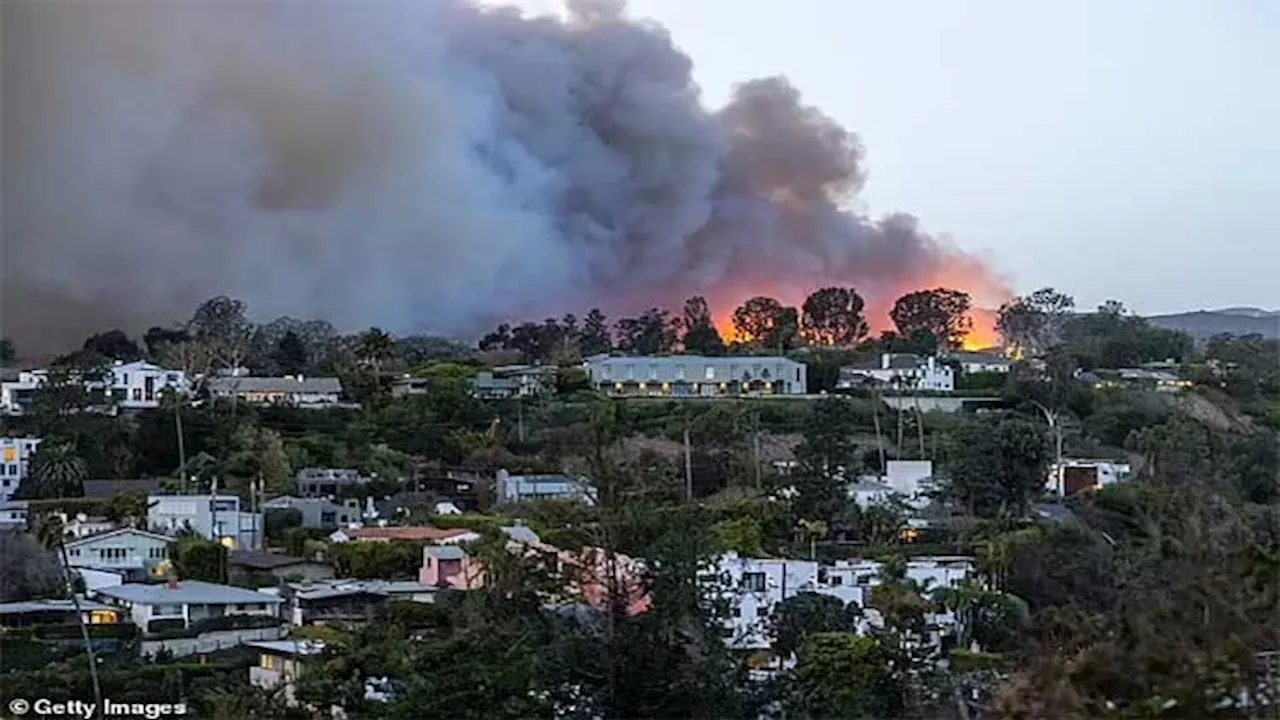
x=425, y=166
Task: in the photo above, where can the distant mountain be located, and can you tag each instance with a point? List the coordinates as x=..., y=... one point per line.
x=1203, y=324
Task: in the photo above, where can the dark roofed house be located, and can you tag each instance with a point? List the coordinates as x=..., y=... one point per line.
x=244, y=565
x=293, y=390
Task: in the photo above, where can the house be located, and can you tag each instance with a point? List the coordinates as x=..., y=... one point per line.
x=243, y=565
x=585, y=572
x=327, y=482
x=409, y=533
x=16, y=394
x=322, y=602
x=137, y=554
x=15, y=461
x=280, y=664
x=216, y=517
x=298, y=391
x=1161, y=380
x=754, y=587
x=486, y=386
x=901, y=371
x=317, y=512
x=100, y=578
x=463, y=486
x=909, y=481
x=140, y=385
x=57, y=612
x=1074, y=476
x=866, y=493
x=530, y=380
x=527, y=488
x=188, y=601
x=980, y=362
x=13, y=514
x=696, y=376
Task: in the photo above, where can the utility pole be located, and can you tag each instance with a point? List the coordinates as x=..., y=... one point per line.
x=182, y=444
x=756, y=442
x=520, y=419
x=688, y=465
x=875, y=418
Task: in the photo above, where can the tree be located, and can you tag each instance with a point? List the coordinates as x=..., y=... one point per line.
x=942, y=312
x=798, y=617
x=595, y=337
x=374, y=347
x=197, y=558
x=824, y=456
x=56, y=471
x=699, y=334
x=160, y=341
x=290, y=355
x=255, y=454
x=112, y=345
x=30, y=570
x=998, y=468
x=834, y=316
x=842, y=675
x=8, y=353
x=766, y=323
x=1032, y=324
x=652, y=333
x=221, y=326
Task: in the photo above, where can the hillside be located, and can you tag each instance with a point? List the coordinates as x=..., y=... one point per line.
x=1203, y=324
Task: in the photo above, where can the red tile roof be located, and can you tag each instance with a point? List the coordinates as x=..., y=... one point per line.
x=414, y=532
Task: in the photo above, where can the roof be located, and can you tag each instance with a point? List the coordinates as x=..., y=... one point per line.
x=315, y=385
x=446, y=552
x=406, y=532
x=871, y=486
x=897, y=361
x=107, y=488
x=187, y=592
x=687, y=359
x=39, y=606
x=289, y=647
x=259, y=560
x=522, y=534
x=345, y=588
x=965, y=356
x=119, y=531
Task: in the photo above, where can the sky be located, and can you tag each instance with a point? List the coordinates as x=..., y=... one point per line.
x=1125, y=150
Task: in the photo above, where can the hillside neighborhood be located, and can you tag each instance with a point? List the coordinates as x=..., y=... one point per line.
x=852, y=527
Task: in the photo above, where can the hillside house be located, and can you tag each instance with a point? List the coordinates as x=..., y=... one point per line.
x=1080, y=475
x=15, y=461
x=57, y=612
x=140, y=385
x=280, y=664
x=318, y=512
x=900, y=371
x=13, y=514
x=327, y=482
x=696, y=376
x=216, y=517
x=244, y=565
x=189, y=601
x=528, y=488
x=980, y=362
x=137, y=554
x=292, y=390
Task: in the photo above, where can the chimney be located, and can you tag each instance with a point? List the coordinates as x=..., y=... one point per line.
x=884, y=361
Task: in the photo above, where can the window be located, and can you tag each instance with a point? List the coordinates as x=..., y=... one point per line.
x=653, y=372
x=239, y=608
x=168, y=610
x=710, y=373
x=837, y=580
x=753, y=581
x=631, y=372
x=604, y=371
x=124, y=378
x=6, y=482
x=137, y=393
x=327, y=517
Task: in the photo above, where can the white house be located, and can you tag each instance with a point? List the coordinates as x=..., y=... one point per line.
x=82, y=525
x=696, y=376
x=1073, y=476
x=525, y=488
x=139, y=385
x=15, y=460
x=216, y=517
x=980, y=362
x=15, y=395
x=137, y=553
x=13, y=514
x=910, y=481
x=754, y=587
x=868, y=492
x=902, y=371
x=188, y=600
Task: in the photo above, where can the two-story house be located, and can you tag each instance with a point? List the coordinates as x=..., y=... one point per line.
x=216, y=517
x=325, y=482
x=137, y=554
x=696, y=376
x=15, y=461
x=318, y=512
x=140, y=385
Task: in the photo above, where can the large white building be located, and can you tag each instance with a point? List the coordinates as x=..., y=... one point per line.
x=754, y=587
x=128, y=386
x=214, y=517
x=15, y=462
x=137, y=554
x=696, y=375
x=901, y=371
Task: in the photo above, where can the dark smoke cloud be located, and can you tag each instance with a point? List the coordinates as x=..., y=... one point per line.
x=421, y=165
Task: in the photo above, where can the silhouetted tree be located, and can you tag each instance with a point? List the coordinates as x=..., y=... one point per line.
x=650, y=334
x=113, y=345
x=942, y=312
x=290, y=355
x=595, y=337
x=834, y=316
x=698, y=327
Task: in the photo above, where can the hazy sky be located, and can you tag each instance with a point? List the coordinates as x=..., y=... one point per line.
x=1123, y=149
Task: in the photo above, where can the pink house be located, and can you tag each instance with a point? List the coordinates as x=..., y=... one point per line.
x=452, y=567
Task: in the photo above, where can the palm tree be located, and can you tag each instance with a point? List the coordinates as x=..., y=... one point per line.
x=373, y=348
x=58, y=471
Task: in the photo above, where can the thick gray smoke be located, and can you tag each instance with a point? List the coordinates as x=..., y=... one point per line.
x=420, y=165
